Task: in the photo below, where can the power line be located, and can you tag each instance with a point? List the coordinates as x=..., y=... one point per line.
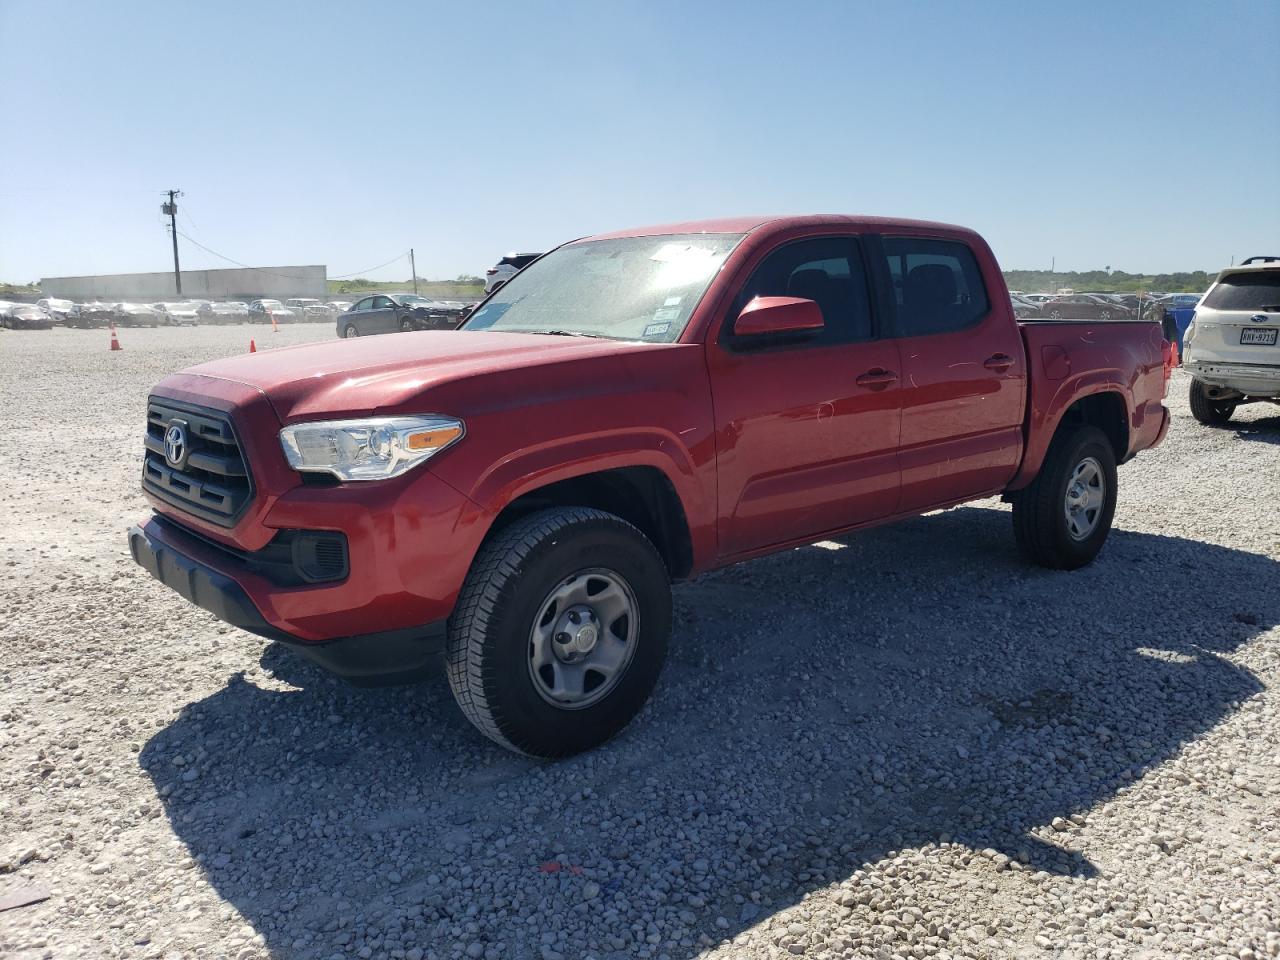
x=288, y=276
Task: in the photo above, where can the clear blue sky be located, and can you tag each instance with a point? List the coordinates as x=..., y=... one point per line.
x=1141, y=135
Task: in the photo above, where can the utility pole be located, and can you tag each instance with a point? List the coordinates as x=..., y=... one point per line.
x=414, y=267
x=171, y=208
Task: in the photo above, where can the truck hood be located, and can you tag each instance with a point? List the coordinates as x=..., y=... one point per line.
x=372, y=374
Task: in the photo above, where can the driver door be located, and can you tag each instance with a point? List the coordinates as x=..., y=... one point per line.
x=806, y=429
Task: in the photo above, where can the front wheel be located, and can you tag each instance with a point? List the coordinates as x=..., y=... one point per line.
x=406, y=325
x=1210, y=412
x=1062, y=519
x=349, y=332
x=560, y=631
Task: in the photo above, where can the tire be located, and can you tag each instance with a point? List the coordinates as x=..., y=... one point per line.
x=1048, y=534
x=1105, y=315
x=1212, y=413
x=406, y=325
x=510, y=606
x=349, y=332
x=1055, y=314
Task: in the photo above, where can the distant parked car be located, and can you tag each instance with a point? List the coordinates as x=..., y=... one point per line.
x=57, y=310
x=181, y=314
x=318, y=313
x=1039, y=297
x=338, y=306
x=1084, y=306
x=136, y=315
x=1024, y=308
x=262, y=311
x=506, y=268
x=89, y=316
x=26, y=316
x=403, y=312
x=299, y=306
x=231, y=311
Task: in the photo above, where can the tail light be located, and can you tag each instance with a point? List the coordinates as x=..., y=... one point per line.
x=491, y=271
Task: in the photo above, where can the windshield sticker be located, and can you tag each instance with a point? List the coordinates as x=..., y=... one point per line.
x=665, y=313
x=656, y=329
x=672, y=301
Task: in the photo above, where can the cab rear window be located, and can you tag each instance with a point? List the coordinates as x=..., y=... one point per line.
x=1246, y=291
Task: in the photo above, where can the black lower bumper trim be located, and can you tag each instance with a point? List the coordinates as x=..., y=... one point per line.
x=370, y=659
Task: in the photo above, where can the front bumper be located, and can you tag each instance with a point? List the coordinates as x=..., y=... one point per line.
x=194, y=569
x=1254, y=380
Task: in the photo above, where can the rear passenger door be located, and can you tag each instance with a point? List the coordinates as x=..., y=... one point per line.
x=963, y=373
x=381, y=316
x=806, y=428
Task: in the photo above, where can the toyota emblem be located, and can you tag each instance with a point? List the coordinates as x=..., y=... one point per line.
x=175, y=444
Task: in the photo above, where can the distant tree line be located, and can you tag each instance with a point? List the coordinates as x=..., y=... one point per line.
x=1108, y=281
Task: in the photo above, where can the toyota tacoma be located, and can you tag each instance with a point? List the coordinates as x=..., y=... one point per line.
x=513, y=499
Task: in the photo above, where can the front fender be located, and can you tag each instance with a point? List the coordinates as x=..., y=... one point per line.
x=543, y=464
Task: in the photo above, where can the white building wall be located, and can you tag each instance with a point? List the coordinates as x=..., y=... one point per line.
x=248, y=283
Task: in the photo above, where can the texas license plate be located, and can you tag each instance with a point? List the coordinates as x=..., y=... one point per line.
x=1264, y=336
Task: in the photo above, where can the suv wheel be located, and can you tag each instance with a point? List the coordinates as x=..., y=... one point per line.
x=1062, y=519
x=349, y=331
x=1213, y=413
x=560, y=631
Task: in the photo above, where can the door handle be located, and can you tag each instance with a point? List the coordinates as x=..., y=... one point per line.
x=877, y=377
x=1000, y=362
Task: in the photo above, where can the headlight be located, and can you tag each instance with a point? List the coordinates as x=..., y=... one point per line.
x=372, y=449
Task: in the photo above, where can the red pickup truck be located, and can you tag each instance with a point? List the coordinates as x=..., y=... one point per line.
x=628, y=410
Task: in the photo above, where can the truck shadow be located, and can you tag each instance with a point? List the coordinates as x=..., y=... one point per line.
x=823, y=709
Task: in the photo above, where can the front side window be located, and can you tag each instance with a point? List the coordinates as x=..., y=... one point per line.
x=826, y=270
x=631, y=288
x=936, y=284
x=382, y=303
x=1246, y=291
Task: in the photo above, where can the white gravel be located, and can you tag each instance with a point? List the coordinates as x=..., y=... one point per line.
x=904, y=744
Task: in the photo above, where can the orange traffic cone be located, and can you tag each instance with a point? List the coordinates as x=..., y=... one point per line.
x=274, y=328
x=253, y=347
x=115, y=341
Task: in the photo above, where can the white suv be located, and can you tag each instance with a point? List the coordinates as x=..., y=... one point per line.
x=1231, y=348
x=506, y=268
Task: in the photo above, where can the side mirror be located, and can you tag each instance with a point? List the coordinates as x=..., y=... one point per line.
x=778, y=315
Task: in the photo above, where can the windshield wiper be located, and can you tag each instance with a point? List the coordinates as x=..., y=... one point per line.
x=567, y=333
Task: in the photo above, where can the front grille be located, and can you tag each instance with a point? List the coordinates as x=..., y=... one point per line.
x=213, y=481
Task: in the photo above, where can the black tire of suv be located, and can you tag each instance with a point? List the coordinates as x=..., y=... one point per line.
x=1212, y=413
x=489, y=633
x=1039, y=521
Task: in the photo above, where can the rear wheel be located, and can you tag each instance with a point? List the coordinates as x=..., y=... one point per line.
x=1062, y=519
x=1213, y=413
x=560, y=631
x=349, y=331
x=1055, y=314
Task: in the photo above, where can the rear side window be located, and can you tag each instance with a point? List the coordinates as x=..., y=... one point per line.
x=828, y=271
x=937, y=285
x=1246, y=291
x=519, y=262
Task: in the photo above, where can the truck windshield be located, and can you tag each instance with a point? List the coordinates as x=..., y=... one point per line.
x=633, y=288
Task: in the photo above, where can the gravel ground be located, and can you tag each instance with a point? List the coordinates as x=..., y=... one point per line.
x=902, y=744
